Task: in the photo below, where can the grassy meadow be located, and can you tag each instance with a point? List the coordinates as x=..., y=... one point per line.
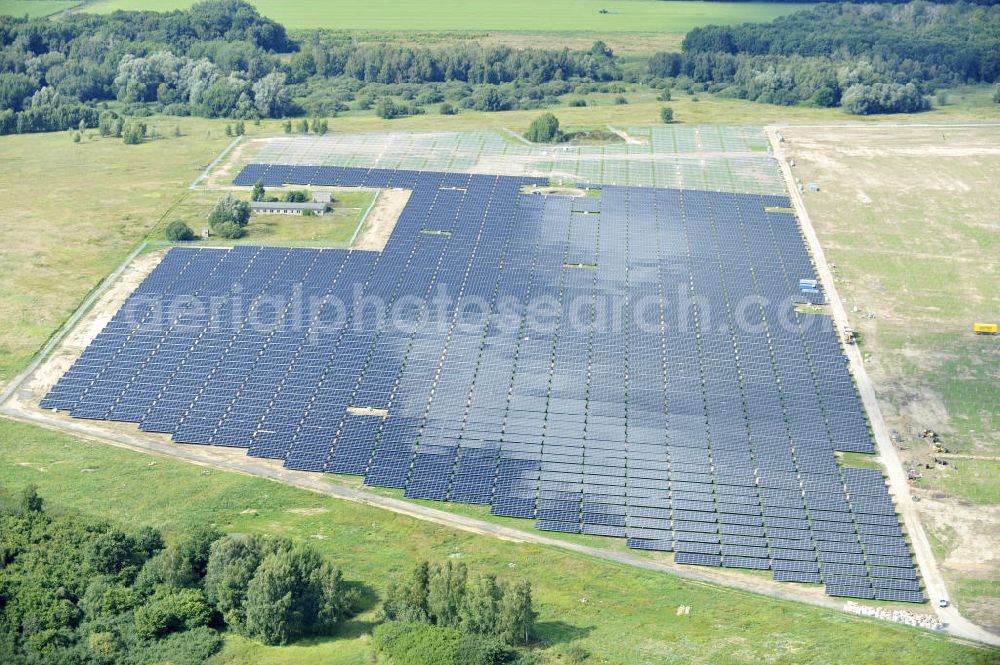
x=582, y=602
x=334, y=228
x=80, y=208
x=677, y=16
x=35, y=8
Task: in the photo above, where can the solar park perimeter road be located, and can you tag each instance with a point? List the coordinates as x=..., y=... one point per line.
x=26, y=411
x=584, y=476
x=956, y=624
x=321, y=484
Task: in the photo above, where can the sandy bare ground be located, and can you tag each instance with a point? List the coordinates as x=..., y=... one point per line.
x=382, y=219
x=80, y=337
x=898, y=485
x=625, y=136
x=554, y=191
x=222, y=175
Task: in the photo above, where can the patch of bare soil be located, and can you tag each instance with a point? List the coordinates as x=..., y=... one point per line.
x=972, y=542
x=382, y=219
x=222, y=175
x=84, y=333
x=553, y=191
x=308, y=511
x=628, y=138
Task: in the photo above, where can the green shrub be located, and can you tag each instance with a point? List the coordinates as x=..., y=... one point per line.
x=228, y=230
x=229, y=216
x=544, y=129
x=171, y=612
x=479, y=650
x=192, y=647
x=384, y=635
x=422, y=644
x=178, y=231
x=667, y=114
x=388, y=109
x=133, y=132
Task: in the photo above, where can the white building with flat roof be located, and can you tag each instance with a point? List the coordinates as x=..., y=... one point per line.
x=284, y=208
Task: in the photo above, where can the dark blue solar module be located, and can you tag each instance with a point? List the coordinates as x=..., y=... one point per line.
x=630, y=365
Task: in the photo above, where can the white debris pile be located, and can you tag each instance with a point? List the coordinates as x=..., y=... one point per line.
x=898, y=616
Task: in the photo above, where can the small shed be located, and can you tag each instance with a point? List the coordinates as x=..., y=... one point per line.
x=322, y=197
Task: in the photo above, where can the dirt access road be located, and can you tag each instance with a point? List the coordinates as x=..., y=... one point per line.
x=25, y=394
x=898, y=484
x=23, y=407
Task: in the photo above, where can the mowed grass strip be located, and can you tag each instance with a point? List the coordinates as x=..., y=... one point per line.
x=617, y=613
x=677, y=16
x=334, y=228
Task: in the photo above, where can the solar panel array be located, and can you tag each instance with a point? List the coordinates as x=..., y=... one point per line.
x=709, y=157
x=628, y=366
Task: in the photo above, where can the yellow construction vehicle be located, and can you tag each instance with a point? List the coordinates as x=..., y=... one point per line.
x=930, y=434
x=984, y=328
x=850, y=337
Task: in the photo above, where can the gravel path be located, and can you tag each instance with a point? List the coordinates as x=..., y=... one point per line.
x=956, y=624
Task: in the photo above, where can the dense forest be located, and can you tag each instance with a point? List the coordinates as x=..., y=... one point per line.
x=865, y=58
x=221, y=58
x=78, y=591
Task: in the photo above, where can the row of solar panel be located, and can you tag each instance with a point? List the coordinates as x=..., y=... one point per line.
x=322, y=439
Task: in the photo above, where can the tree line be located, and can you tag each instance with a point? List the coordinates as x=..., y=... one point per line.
x=74, y=590
x=867, y=59
x=438, y=616
x=79, y=591
x=220, y=58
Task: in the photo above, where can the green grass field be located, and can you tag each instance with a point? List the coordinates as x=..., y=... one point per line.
x=334, y=228
x=35, y=8
x=374, y=546
x=513, y=15
x=82, y=208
